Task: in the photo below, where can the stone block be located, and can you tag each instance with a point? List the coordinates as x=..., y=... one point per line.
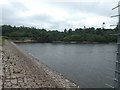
x=14, y=81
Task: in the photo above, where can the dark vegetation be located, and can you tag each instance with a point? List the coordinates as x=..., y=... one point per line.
x=88, y=35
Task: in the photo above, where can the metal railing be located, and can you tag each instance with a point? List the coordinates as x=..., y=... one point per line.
x=117, y=67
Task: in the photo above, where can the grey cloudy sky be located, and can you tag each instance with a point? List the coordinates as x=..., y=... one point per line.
x=58, y=14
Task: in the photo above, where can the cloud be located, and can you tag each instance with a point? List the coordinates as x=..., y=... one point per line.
x=41, y=18
x=88, y=7
x=57, y=14
x=11, y=13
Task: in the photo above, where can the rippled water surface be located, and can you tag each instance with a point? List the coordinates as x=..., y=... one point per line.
x=89, y=65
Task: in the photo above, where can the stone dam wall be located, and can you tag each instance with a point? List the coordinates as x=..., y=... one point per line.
x=22, y=70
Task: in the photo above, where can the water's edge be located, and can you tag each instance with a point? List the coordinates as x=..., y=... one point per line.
x=29, y=68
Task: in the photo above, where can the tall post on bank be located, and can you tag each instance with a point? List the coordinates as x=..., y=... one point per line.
x=117, y=68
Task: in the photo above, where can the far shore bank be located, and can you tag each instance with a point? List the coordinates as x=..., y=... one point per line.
x=63, y=42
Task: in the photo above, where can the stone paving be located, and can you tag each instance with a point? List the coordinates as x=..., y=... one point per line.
x=21, y=70
x=1, y=67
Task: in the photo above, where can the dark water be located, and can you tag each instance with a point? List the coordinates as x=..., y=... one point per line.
x=89, y=65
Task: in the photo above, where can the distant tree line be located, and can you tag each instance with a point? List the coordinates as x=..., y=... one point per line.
x=68, y=35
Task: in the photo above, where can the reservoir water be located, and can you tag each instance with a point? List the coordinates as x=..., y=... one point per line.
x=88, y=65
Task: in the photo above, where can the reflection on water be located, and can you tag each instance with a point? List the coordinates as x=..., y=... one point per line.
x=89, y=65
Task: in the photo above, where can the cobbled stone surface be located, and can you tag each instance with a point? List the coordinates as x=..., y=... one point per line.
x=22, y=70
x=1, y=74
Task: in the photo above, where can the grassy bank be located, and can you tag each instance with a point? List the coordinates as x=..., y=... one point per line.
x=0, y=40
